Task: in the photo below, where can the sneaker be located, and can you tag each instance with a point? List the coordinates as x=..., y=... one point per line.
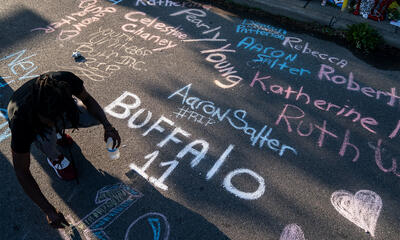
x=63, y=168
x=64, y=140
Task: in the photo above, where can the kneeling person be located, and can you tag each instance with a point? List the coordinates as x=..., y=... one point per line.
x=40, y=111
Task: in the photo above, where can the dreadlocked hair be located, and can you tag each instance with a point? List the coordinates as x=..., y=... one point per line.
x=53, y=100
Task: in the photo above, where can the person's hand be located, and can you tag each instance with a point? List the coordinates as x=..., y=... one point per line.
x=111, y=132
x=56, y=219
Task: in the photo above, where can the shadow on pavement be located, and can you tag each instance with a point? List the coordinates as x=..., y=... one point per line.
x=100, y=203
x=136, y=210
x=16, y=26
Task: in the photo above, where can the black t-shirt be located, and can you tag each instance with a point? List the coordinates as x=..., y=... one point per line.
x=20, y=111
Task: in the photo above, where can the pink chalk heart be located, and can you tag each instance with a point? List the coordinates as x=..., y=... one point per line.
x=292, y=232
x=362, y=209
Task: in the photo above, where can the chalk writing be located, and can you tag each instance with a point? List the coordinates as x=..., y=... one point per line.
x=292, y=232
x=192, y=16
x=76, y=21
x=379, y=161
x=395, y=130
x=292, y=113
x=169, y=3
x=91, y=73
x=257, y=28
x=22, y=68
x=300, y=96
x=114, y=200
x=276, y=54
x=226, y=68
x=236, y=118
x=297, y=44
x=142, y=171
x=159, y=182
x=327, y=73
x=194, y=116
x=272, y=64
x=273, y=58
x=250, y=44
x=362, y=209
x=114, y=41
x=205, y=106
x=198, y=148
x=245, y=195
x=153, y=23
x=215, y=56
x=106, y=52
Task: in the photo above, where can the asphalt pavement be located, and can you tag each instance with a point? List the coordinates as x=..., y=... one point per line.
x=231, y=128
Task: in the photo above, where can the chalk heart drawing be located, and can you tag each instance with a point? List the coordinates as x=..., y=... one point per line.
x=362, y=208
x=292, y=232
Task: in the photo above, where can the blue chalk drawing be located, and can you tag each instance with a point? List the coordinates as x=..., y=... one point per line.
x=20, y=63
x=115, y=1
x=4, y=113
x=113, y=200
x=7, y=133
x=156, y=229
x=257, y=28
x=3, y=79
x=153, y=219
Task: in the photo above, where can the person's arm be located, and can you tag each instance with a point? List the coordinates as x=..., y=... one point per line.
x=94, y=109
x=21, y=163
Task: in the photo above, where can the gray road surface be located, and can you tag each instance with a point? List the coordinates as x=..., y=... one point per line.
x=231, y=129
